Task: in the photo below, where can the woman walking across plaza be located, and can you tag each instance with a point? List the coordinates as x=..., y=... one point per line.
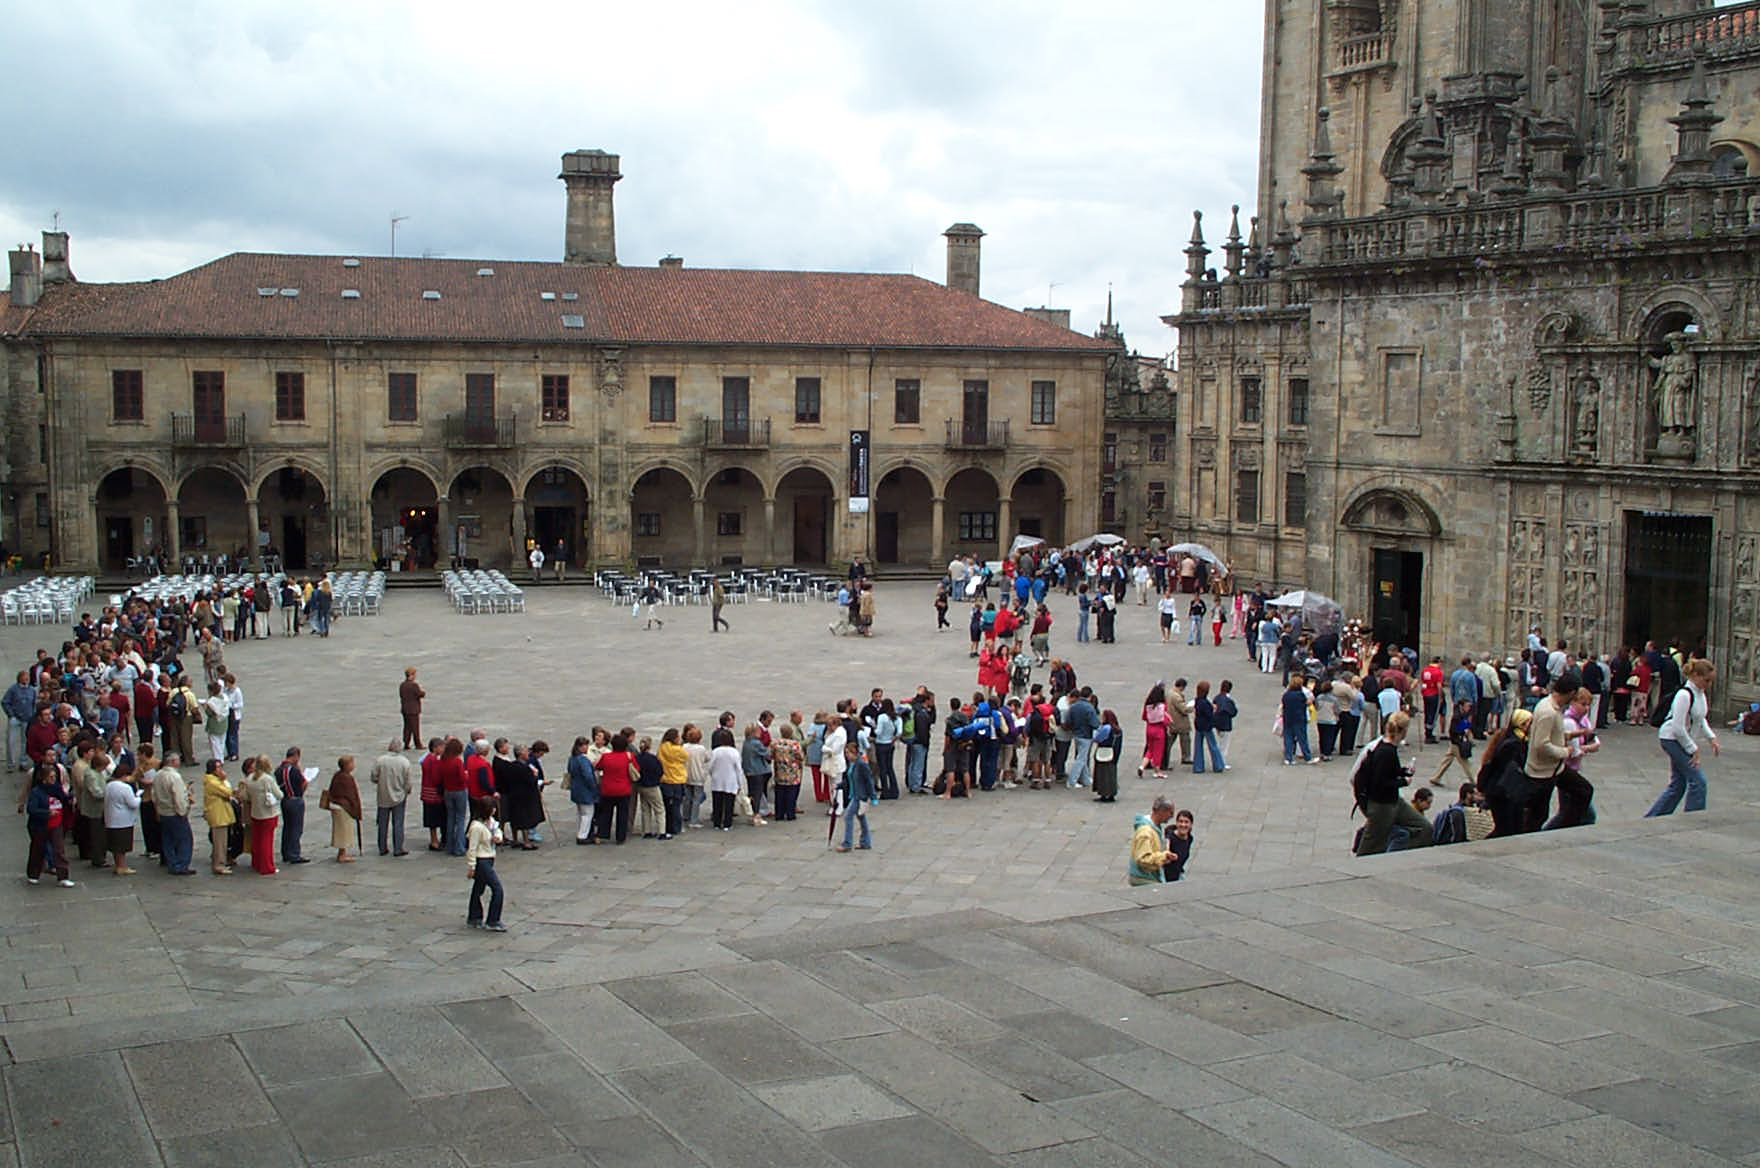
x=1687, y=717
x=479, y=858
x=343, y=800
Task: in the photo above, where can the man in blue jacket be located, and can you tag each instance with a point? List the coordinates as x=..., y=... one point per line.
x=1082, y=720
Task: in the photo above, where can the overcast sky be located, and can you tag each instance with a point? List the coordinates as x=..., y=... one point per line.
x=767, y=133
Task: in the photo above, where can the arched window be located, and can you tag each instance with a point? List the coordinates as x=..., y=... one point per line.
x=1728, y=161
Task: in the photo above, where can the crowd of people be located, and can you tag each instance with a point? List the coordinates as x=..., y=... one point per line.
x=107, y=729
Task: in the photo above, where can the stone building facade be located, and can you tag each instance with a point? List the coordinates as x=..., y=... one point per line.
x=1514, y=266
x=357, y=408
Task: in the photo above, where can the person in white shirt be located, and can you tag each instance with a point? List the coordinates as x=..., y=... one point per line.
x=1687, y=716
x=234, y=714
x=122, y=808
x=536, y=559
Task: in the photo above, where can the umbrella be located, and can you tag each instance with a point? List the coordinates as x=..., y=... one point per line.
x=1104, y=539
x=1317, y=611
x=1196, y=551
x=1024, y=541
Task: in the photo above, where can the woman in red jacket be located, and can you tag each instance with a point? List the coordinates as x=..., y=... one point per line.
x=617, y=772
x=455, y=793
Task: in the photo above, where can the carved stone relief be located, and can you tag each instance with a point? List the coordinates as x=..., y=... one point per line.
x=1673, y=395
x=1539, y=388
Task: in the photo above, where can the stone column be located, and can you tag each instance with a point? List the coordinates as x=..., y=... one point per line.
x=519, y=532
x=1004, y=522
x=252, y=518
x=702, y=553
x=937, y=531
x=443, y=532
x=769, y=558
x=173, y=537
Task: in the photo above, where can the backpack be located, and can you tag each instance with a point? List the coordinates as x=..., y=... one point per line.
x=178, y=705
x=1022, y=672
x=907, y=723
x=1359, y=772
x=1450, y=827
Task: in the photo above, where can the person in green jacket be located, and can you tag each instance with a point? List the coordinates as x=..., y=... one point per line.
x=1148, y=844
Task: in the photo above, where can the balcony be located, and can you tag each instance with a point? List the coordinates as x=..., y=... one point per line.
x=962, y=435
x=208, y=433
x=493, y=431
x=736, y=434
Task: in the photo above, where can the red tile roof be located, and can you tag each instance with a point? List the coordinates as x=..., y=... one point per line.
x=691, y=306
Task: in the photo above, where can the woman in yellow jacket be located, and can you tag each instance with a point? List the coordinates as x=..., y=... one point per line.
x=217, y=810
x=674, y=771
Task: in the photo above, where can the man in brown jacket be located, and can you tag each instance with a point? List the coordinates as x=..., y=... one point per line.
x=1179, y=723
x=409, y=699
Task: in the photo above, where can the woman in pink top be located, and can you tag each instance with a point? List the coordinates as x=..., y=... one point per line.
x=1154, y=730
x=1574, y=791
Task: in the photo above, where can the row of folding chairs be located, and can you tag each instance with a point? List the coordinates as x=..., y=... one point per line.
x=44, y=600
x=474, y=592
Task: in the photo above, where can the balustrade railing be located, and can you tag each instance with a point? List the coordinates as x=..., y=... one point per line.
x=1719, y=32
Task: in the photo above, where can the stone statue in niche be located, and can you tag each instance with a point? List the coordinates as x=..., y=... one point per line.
x=1742, y=614
x=1752, y=448
x=1672, y=396
x=1586, y=401
x=1591, y=546
x=1745, y=558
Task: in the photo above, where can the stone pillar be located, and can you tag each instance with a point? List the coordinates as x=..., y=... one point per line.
x=702, y=553
x=251, y=521
x=443, y=533
x=937, y=531
x=519, y=532
x=1004, y=522
x=173, y=536
x=769, y=558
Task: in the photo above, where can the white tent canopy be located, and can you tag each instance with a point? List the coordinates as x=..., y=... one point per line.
x=1022, y=542
x=1104, y=539
x=1318, y=612
x=1196, y=551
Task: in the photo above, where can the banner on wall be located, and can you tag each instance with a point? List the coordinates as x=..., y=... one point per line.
x=858, y=471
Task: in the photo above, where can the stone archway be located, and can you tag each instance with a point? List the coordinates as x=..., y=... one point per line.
x=1036, y=505
x=212, y=515
x=803, y=517
x=293, y=519
x=559, y=519
x=409, y=530
x=973, y=523
x=733, y=518
x=662, y=520
x=904, y=518
x=486, y=528
x=131, y=514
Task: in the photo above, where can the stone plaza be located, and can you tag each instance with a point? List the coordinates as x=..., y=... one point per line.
x=980, y=988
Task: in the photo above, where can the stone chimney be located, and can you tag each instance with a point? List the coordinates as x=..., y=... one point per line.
x=55, y=265
x=1054, y=316
x=962, y=257
x=672, y=262
x=591, y=234
x=27, y=276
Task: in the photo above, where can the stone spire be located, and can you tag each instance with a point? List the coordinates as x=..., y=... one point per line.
x=1692, y=159
x=1324, y=199
x=1429, y=154
x=1283, y=244
x=1550, y=137
x=1196, y=253
x=1234, y=249
x=1255, y=254
x=1512, y=183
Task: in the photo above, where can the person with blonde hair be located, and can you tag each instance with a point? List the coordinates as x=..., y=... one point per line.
x=1377, y=784
x=1688, y=714
x=263, y=805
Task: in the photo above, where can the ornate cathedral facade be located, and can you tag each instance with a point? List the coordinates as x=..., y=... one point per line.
x=1487, y=356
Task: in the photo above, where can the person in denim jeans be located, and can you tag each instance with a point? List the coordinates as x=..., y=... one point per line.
x=1204, y=732
x=20, y=704
x=1295, y=722
x=1686, y=715
x=1082, y=720
x=1084, y=604
x=290, y=781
